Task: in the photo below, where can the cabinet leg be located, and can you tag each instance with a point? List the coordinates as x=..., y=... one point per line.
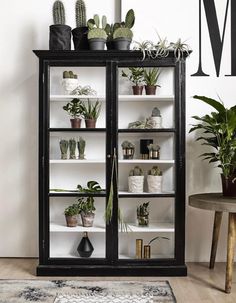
x=215, y=237
x=230, y=251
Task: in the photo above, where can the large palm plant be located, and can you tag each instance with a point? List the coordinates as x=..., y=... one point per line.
x=219, y=132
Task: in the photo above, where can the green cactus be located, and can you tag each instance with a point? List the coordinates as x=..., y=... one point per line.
x=71, y=74
x=94, y=30
x=64, y=148
x=127, y=144
x=96, y=20
x=143, y=209
x=154, y=147
x=58, y=13
x=80, y=13
x=123, y=32
x=155, y=171
x=81, y=147
x=72, y=148
x=66, y=75
x=130, y=19
x=156, y=112
x=137, y=171
x=104, y=22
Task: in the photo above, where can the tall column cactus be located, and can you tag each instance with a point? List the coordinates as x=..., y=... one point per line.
x=58, y=12
x=80, y=13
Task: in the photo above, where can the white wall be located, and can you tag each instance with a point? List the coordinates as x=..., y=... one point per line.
x=25, y=29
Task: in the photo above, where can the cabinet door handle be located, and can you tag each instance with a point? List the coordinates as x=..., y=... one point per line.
x=108, y=156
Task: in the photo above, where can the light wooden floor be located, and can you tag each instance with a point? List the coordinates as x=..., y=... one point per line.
x=201, y=284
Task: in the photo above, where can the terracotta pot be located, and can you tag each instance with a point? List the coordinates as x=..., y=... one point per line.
x=75, y=123
x=90, y=123
x=150, y=89
x=229, y=186
x=71, y=221
x=137, y=89
x=87, y=219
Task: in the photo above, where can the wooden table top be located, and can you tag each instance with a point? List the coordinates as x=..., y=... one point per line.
x=213, y=201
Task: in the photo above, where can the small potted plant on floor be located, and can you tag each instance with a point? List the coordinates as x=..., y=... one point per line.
x=156, y=118
x=151, y=76
x=154, y=180
x=80, y=33
x=128, y=150
x=70, y=81
x=71, y=213
x=87, y=208
x=136, y=180
x=123, y=34
x=60, y=34
x=97, y=36
x=73, y=108
x=219, y=133
x=91, y=112
x=135, y=75
x=143, y=214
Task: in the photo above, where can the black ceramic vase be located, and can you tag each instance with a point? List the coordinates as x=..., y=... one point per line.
x=85, y=248
x=80, y=38
x=60, y=37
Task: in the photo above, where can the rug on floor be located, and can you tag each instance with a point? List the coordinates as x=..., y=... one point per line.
x=75, y=291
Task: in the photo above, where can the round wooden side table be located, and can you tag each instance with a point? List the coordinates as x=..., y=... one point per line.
x=219, y=204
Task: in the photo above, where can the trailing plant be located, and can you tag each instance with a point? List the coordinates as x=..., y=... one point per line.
x=91, y=110
x=80, y=13
x=86, y=206
x=124, y=28
x=69, y=75
x=58, y=13
x=64, y=148
x=137, y=171
x=81, y=147
x=83, y=90
x=219, y=133
x=127, y=144
x=94, y=28
x=156, y=238
x=143, y=209
x=135, y=75
x=151, y=76
x=156, y=112
x=71, y=210
x=73, y=108
x=92, y=187
x=72, y=148
x=155, y=171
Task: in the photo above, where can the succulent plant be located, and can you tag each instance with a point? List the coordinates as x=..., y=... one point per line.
x=124, y=28
x=94, y=27
x=72, y=148
x=58, y=13
x=143, y=209
x=73, y=108
x=127, y=144
x=71, y=210
x=123, y=32
x=155, y=171
x=91, y=110
x=80, y=13
x=154, y=147
x=81, y=147
x=69, y=75
x=179, y=49
x=64, y=148
x=135, y=75
x=110, y=28
x=151, y=76
x=156, y=112
x=137, y=171
x=83, y=90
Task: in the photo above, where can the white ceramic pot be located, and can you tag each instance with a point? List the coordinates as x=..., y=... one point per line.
x=69, y=85
x=154, y=184
x=157, y=122
x=136, y=184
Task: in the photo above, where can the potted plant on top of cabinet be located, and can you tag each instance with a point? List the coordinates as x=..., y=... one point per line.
x=151, y=76
x=219, y=133
x=74, y=109
x=123, y=34
x=135, y=75
x=154, y=180
x=80, y=33
x=60, y=33
x=97, y=36
x=91, y=112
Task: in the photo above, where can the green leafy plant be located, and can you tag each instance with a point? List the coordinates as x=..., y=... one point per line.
x=92, y=187
x=219, y=133
x=142, y=124
x=94, y=28
x=124, y=28
x=91, y=110
x=71, y=210
x=143, y=209
x=83, y=90
x=86, y=206
x=151, y=76
x=137, y=171
x=58, y=13
x=73, y=108
x=80, y=13
x=135, y=75
x=69, y=75
x=155, y=171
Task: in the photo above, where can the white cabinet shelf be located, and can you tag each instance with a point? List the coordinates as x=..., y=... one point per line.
x=61, y=227
x=77, y=161
x=152, y=228
x=154, y=98
x=124, y=256
x=140, y=161
x=65, y=98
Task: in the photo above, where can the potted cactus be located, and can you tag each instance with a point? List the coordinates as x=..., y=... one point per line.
x=73, y=108
x=123, y=34
x=143, y=214
x=156, y=118
x=154, y=180
x=135, y=75
x=128, y=150
x=136, y=180
x=151, y=76
x=72, y=148
x=81, y=148
x=97, y=36
x=154, y=151
x=64, y=148
x=91, y=112
x=59, y=33
x=71, y=213
x=86, y=209
x=110, y=28
x=69, y=82
x=80, y=33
